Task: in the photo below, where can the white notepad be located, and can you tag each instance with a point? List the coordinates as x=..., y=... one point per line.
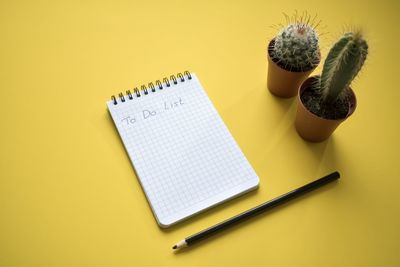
x=182, y=152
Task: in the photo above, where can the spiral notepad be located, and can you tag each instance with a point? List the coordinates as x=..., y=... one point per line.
x=183, y=154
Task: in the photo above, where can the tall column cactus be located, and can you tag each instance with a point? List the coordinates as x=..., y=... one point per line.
x=344, y=61
x=296, y=47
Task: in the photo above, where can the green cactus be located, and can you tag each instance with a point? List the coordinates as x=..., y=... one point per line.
x=296, y=47
x=344, y=61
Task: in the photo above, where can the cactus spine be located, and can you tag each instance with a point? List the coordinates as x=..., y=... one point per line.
x=344, y=61
x=297, y=47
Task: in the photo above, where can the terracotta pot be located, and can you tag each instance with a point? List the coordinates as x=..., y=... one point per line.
x=281, y=82
x=312, y=127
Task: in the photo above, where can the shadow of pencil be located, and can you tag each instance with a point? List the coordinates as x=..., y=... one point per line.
x=245, y=223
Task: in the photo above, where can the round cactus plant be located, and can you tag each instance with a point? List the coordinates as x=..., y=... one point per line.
x=296, y=47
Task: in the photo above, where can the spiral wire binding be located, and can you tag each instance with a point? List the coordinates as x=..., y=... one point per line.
x=114, y=100
x=129, y=94
x=121, y=96
x=136, y=90
x=153, y=88
x=159, y=84
x=166, y=81
x=173, y=78
x=144, y=89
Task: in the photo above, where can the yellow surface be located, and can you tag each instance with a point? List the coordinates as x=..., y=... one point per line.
x=68, y=193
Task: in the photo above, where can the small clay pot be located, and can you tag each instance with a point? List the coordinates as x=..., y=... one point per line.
x=282, y=82
x=312, y=127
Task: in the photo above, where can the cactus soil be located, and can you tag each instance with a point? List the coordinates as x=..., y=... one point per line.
x=312, y=100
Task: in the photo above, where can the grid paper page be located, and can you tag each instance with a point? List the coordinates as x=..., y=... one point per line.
x=183, y=154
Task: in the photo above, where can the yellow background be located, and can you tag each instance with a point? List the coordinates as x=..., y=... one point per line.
x=68, y=193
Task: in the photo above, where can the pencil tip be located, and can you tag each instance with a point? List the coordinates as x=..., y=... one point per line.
x=175, y=247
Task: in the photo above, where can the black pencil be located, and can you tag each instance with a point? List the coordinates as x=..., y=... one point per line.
x=256, y=210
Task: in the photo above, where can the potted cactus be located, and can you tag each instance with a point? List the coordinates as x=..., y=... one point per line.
x=292, y=55
x=326, y=101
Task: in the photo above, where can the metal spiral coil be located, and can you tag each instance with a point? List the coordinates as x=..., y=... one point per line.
x=166, y=81
x=159, y=84
x=129, y=94
x=173, y=78
x=136, y=90
x=145, y=90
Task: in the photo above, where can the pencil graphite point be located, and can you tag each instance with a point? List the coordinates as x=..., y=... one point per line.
x=180, y=244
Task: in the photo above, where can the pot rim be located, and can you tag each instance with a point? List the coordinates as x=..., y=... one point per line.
x=352, y=102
